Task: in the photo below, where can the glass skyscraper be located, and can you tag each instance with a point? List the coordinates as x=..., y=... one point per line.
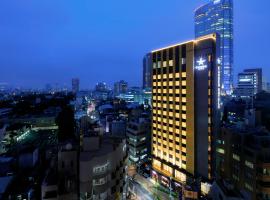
x=217, y=17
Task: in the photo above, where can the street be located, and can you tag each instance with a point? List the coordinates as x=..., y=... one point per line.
x=143, y=188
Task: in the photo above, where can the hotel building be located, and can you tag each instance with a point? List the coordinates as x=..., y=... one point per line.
x=186, y=90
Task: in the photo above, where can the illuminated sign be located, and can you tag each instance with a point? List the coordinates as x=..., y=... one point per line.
x=216, y=1
x=201, y=64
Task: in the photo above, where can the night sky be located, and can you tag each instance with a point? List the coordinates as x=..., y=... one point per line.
x=51, y=41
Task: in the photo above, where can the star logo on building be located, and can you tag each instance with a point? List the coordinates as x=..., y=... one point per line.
x=201, y=61
x=201, y=64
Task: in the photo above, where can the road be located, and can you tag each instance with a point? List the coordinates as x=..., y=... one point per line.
x=152, y=189
x=138, y=192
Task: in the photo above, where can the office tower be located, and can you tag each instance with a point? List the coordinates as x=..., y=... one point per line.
x=186, y=100
x=75, y=85
x=120, y=87
x=147, y=71
x=249, y=83
x=217, y=17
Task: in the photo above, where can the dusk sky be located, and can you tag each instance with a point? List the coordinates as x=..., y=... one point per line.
x=51, y=41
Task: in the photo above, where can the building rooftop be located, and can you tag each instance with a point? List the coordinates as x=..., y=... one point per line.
x=106, y=145
x=210, y=36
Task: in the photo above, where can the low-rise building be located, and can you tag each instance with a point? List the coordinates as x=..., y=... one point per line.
x=139, y=140
x=102, y=169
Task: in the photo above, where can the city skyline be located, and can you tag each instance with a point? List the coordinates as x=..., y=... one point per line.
x=53, y=41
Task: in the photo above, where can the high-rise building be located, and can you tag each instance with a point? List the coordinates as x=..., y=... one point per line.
x=120, y=87
x=75, y=85
x=147, y=71
x=217, y=17
x=249, y=83
x=186, y=101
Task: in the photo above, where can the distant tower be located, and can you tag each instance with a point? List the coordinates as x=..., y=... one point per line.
x=147, y=71
x=217, y=17
x=120, y=87
x=75, y=85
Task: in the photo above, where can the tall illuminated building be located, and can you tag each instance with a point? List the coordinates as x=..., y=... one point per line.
x=217, y=17
x=186, y=91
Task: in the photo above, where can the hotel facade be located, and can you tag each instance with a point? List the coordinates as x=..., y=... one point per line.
x=186, y=90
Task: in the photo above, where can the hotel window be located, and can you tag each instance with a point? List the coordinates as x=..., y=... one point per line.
x=170, y=63
x=183, y=61
x=184, y=150
x=184, y=158
x=184, y=83
x=164, y=63
x=184, y=141
x=184, y=133
x=159, y=64
x=184, y=166
x=184, y=99
x=184, y=124
x=184, y=74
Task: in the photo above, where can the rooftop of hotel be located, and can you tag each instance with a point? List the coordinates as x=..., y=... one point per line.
x=210, y=36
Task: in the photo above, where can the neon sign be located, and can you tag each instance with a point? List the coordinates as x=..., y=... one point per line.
x=201, y=64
